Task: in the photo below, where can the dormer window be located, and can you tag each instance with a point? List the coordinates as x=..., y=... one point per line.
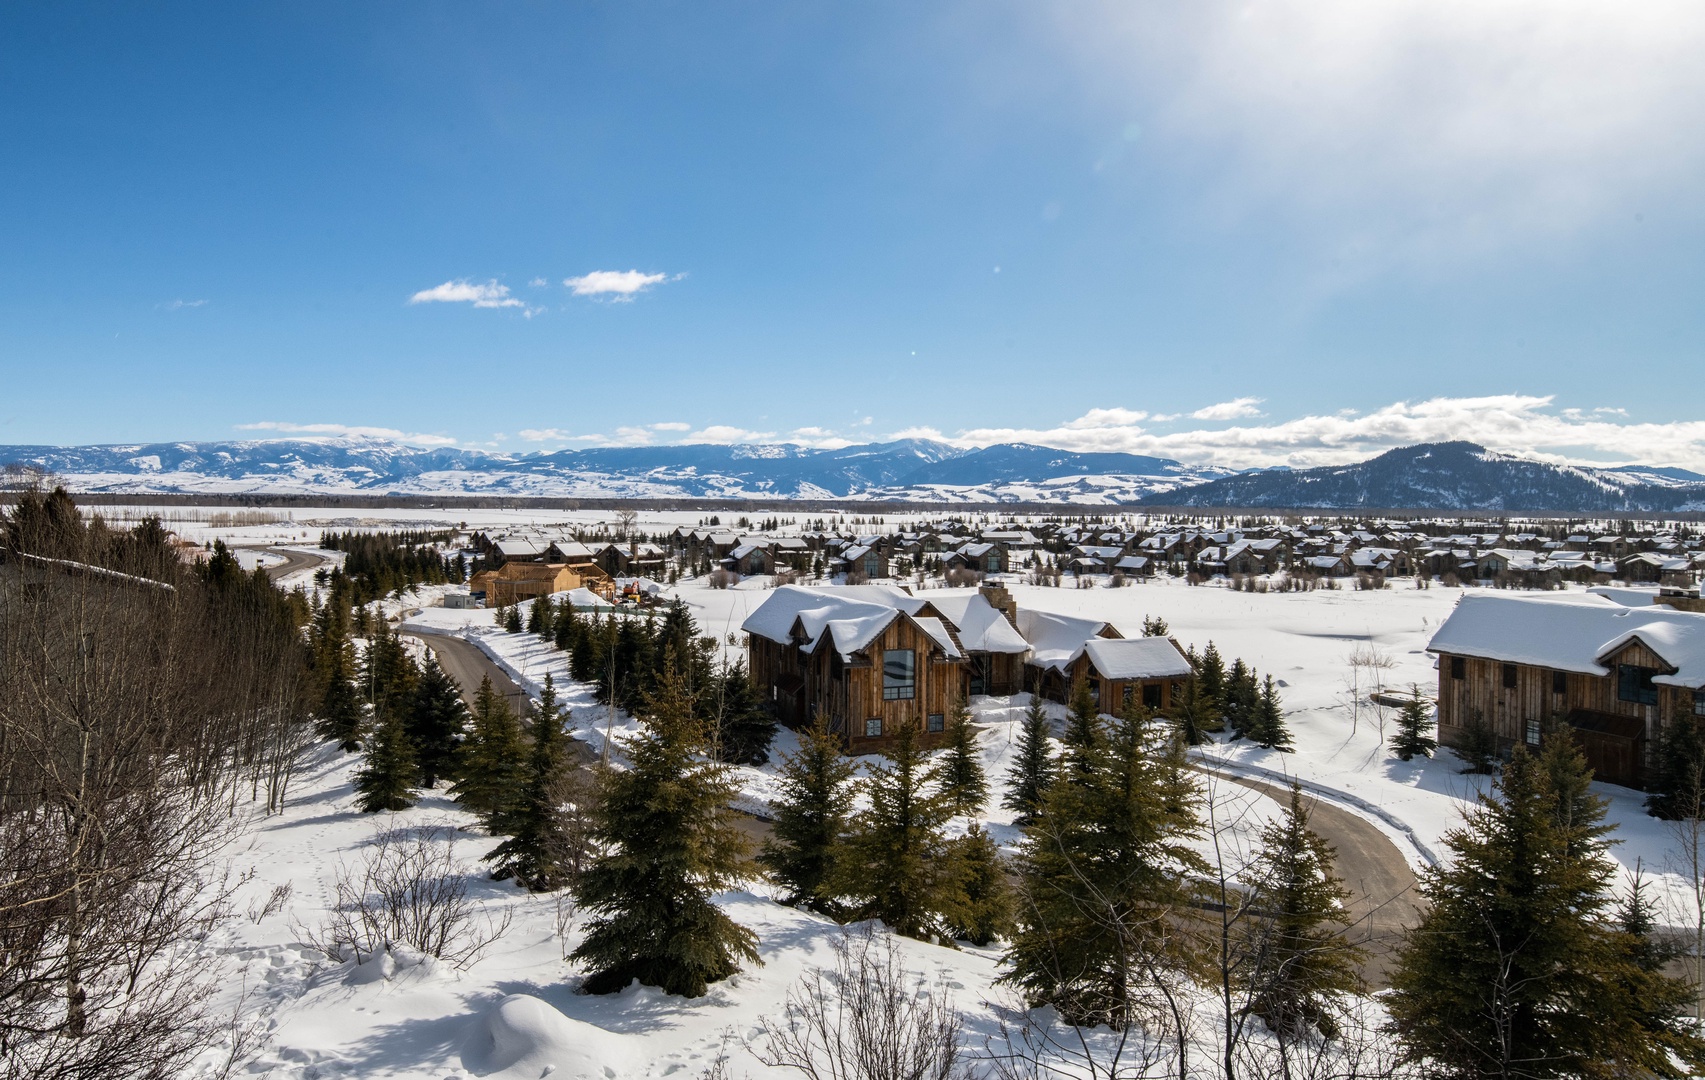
x=1634, y=684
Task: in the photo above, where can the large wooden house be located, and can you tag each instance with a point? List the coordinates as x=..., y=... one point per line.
x=518, y=582
x=1615, y=675
x=867, y=657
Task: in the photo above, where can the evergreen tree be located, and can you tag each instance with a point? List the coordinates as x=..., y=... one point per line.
x=1478, y=744
x=1084, y=736
x=567, y=628
x=1660, y=1002
x=437, y=721
x=895, y=864
x=810, y=817
x=388, y=673
x=1414, y=728
x=745, y=724
x=340, y=710
x=962, y=783
x=1242, y=698
x=1677, y=788
x=669, y=845
x=540, y=617
x=386, y=779
x=1302, y=963
x=1103, y=869
x=538, y=855
x=1033, y=766
x=492, y=765
x=1518, y=967
x=512, y=619
x=979, y=908
x=1269, y=728
x=1192, y=714
x=1211, y=673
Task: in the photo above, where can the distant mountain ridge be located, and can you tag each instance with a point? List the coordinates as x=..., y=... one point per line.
x=1434, y=476
x=907, y=469
x=1451, y=476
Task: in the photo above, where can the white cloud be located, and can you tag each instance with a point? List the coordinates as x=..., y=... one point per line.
x=819, y=437
x=724, y=434
x=538, y=283
x=544, y=435
x=487, y=295
x=672, y=425
x=1413, y=131
x=1229, y=410
x=1096, y=418
x=1526, y=425
x=178, y=305
x=347, y=431
x=614, y=284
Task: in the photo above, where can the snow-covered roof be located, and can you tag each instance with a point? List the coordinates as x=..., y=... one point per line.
x=982, y=626
x=1573, y=634
x=1056, y=640
x=1137, y=658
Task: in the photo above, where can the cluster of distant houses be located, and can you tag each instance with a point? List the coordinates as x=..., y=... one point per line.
x=523, y=564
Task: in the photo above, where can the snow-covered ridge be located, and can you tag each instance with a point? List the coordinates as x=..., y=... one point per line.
x=912, y=470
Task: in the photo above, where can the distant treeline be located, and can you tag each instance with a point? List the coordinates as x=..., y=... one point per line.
x=378, y=564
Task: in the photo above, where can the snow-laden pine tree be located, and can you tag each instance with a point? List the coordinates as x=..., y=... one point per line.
x=387, y=777
x=667, y=845
x=1414, y=737
x=979, y=906
x=1268, y=727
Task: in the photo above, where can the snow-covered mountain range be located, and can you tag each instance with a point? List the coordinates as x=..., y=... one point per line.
x=1437, y=476
x=1453, y=476
x=910, y=469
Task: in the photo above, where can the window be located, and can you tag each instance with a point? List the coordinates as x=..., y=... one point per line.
x=873, y=727
x=1559, y=682
x=1458, y=668
x=1533, y=733
x=873, y=565
x=1635, y=684
x=1699, y=703
x=1509, y=676
x=936, y=722
x=1095, y=692
x=1151, y=695
x=899, y=675
x=994, y=562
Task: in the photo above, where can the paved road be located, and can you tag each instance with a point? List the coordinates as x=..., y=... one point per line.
x=293, y=561
x=464, y=662
x=1383, y=900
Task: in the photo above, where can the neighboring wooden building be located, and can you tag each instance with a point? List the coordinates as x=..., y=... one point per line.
x=1056, y=643
x=1613, y=674
x=1148, y=670
x=516, y=582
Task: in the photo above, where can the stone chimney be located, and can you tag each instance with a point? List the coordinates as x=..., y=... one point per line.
x=999, y=598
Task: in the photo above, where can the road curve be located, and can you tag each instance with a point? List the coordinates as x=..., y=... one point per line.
x=1383, y=899
x=463, y=661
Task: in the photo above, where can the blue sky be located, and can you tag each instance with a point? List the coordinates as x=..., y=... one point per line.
x=1295, y=232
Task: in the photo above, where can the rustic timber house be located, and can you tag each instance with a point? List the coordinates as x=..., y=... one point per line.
x=1614, y=675
x=1149, y=671
x=869, y=657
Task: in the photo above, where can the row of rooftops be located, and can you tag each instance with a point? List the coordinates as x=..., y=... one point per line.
x=961, y=622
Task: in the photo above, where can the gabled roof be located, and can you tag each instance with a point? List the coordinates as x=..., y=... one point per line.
x=1056, y=640
x=1579, y=634
x=982, y=627
x=1137, y=658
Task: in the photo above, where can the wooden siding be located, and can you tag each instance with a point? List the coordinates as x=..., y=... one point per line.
x=1110, y=694
x=1534, y=697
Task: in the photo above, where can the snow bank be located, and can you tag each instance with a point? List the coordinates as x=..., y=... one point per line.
x=525, y=1038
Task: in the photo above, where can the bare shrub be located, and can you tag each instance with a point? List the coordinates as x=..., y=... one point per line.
x=272, y=905
x=783, y=577
x=1117, y=581
x=961, y=576
x=857, y=577
x=408, y=890
x=723, y=579
x=865, y=1020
